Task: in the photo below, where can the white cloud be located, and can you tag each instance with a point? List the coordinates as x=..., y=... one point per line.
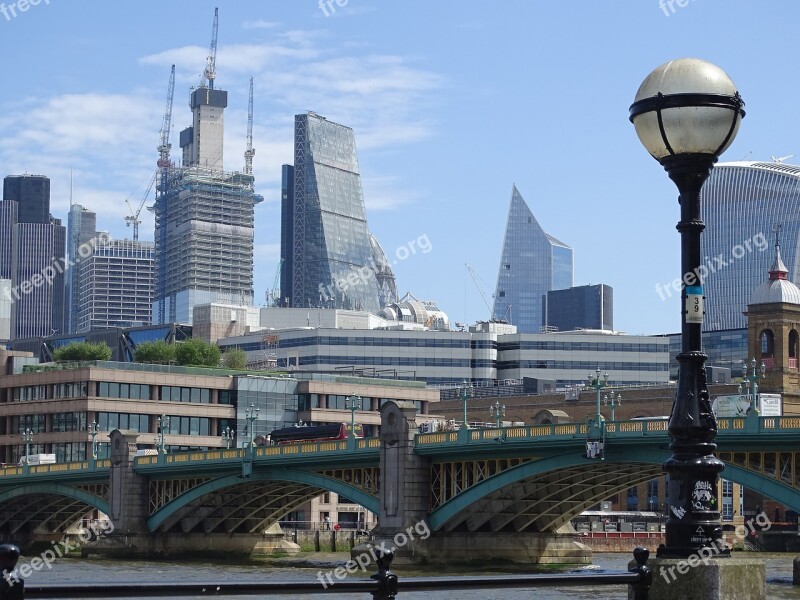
x=260, y=24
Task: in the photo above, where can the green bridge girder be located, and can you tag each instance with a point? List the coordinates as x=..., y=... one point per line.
x=45, y=504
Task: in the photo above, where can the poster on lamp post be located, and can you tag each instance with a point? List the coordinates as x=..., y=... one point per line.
x=770, y=405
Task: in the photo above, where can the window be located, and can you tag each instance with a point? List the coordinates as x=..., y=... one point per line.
x=727, y=500
x=767, y=344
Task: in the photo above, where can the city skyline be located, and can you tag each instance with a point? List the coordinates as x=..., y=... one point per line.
x=430, y=113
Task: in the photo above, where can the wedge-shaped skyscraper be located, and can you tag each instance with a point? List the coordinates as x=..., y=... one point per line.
x=328, y=257
x=532, y=264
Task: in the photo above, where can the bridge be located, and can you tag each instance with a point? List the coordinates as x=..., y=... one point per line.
x=486, y=492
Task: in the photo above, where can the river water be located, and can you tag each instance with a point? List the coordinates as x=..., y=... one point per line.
x=64, y=571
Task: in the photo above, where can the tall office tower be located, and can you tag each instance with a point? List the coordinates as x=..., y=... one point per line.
x=204, y=221
x=8, y=219
x=32, y=192
x=532, y=264
x=741, y=204
x=327, y=256
x=37, y=246
x=116, y=285
x=581, y=307
x=81, y=230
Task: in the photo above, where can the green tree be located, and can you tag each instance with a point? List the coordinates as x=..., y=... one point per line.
x=197, y=353
x=159, y=351
x=235, y=358
x=83, y=351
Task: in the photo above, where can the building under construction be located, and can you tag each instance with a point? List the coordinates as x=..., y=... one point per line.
x=203, y=215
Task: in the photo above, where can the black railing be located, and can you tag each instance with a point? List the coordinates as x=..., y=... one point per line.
x=383, y=585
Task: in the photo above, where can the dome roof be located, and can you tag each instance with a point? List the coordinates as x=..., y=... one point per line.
x=778, y=288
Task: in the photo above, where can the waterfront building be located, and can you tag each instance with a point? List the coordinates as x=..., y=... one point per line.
x=581, y=307
x=532, y=263
x=328, y=257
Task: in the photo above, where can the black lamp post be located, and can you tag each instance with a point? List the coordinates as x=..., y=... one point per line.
x=686, y=113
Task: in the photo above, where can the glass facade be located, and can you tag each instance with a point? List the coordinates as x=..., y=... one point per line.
x=328, y=258
x=741, y=203
x=532, y=263
x=727, y=348
x=582, y=307
x=276, y=399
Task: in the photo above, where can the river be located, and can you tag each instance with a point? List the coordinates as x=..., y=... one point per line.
x=64, y=571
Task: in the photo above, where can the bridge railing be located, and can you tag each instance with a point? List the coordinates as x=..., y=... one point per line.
x=383, y=585
x=82, y=465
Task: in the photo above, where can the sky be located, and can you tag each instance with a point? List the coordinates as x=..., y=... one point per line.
x=451, y=103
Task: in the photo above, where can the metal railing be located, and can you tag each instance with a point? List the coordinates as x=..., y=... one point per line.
x=383, y=585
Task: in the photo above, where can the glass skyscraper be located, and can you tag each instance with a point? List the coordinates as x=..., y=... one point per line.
x=741, y=204
x=328, y=258
x=81, y=229
x=532, y=264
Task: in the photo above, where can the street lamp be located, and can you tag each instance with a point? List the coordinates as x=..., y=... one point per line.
x=93, y=435
x=752, y=379
x=228, y=435
x=686, y=113
x=251, y=414
x=353, y=404
x=464, y=393
x=163, y=423
x=598, y=384
x=27, y=437
x=613, y=403
x=497, y=411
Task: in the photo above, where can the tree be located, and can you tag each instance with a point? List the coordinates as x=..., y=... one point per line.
x=235, y=358
x=197, y=353
x=83, y=351
x=159, y=351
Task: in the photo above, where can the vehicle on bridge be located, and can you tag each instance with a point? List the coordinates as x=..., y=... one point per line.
x=314, y=433
x=38, y=459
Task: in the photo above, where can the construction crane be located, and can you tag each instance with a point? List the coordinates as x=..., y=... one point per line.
x=211, y=60
x=274, y=293
x=475, y=278
x=133, y=218
x=250, y=152
x=166, y=124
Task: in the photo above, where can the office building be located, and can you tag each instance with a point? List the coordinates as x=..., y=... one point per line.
x=204, y=221
x=37, y=243
x=532, y=264
x=116, y=285
x=328, y=256
x=484, y=355
x=81, y=230
x=581, y=307
x=741, y=203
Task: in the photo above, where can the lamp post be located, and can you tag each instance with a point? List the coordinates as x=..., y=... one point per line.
x=353, y=404
x=598, y=384
x=613, y=403
x=93, y=435
x=686, y=113
x=228, y=435
x=163, y=423
x=27, y=437
x=464, y=393
x=751, y=381
x=251, y=414
x=497, y=411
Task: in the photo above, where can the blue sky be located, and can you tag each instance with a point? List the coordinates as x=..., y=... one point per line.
x=451, y=103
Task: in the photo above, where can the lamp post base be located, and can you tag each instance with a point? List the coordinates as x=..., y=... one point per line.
x=701, y=577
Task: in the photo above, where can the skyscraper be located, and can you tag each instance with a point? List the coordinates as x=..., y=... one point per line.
x=741, y=204
x=116, y=285
x=81, y=229
x=532, y=264
x=328, y=258
x=204, y=221
x=36, y=242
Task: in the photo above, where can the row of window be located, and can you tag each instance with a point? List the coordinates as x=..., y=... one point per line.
x=365, y=341
x=21, y=423
x=185, y=394
x=187, y=425
x=127, y=391
x=584, y=346
x=391, y=361
x=571, y=365
x=134, y=422
x=69, y=421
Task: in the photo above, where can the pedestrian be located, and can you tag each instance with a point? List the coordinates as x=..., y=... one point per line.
x=327, y=525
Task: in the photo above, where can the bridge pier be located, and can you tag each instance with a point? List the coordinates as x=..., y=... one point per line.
x=405, y=500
